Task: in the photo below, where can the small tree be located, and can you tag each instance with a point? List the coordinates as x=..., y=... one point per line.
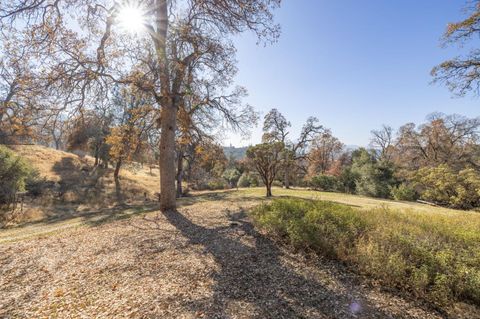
x=14, y=175
x=133, y=119
x=231, y=175
x=87, y=132
x=267, y=159
x=383, y=142
x=325, y=149
x=372, y=177
x=275, y=129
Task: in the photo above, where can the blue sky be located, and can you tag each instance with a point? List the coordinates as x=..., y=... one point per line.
x=355, y=65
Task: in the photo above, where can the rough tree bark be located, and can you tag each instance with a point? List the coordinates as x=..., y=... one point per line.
x=168, y=113
x=167, y=158
x=57, y=145
x=179, y=173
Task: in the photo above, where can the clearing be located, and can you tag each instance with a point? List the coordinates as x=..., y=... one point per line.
x=127, y=260
x=204, y=261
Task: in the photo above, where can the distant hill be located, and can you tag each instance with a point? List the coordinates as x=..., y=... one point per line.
x=235, y=152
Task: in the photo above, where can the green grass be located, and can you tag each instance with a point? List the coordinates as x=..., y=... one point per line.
x=432, y=253
x=348, y=199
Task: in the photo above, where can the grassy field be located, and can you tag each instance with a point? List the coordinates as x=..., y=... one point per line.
x=353, y=200
x=68, y=216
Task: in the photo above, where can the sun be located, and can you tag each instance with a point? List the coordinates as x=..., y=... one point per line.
x=131, y=18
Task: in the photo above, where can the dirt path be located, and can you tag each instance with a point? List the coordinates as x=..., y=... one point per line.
x=205, y=261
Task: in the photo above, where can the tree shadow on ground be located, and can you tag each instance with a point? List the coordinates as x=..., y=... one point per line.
x=256, y=276
x=227, y=196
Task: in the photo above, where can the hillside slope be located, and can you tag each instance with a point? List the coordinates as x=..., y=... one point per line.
x=57, y=165
x=73, y=185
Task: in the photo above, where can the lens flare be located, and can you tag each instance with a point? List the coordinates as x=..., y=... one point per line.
x=131, y=18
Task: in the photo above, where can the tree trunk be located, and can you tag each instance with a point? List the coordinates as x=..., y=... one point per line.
x=57, y=141
x=269, y=190
x=117, y=169
x=167, y=158
x=287, y=177
x=168, y=115
x=179, y=173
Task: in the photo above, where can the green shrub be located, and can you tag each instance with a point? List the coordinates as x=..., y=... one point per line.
x=231, y=176
x=346, y=181
x=255, y=181
x=216, y=184
x=430, y=255
x=15, y=175
x=404, y=192
x=372, y=177
x=243, y=181
x=324, y=182
x=247, y=180
x=445, y=186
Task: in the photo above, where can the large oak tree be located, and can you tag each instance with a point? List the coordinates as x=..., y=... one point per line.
x=80, y=52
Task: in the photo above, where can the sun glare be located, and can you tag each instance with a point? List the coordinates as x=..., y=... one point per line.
x=131, y=18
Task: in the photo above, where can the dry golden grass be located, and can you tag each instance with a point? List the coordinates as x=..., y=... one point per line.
x=50, y=163
x=44, y=159
x=142, y=177
x=75, y=187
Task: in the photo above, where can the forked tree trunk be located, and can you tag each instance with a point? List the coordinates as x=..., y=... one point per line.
x=168, y=121
x=179, y=173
